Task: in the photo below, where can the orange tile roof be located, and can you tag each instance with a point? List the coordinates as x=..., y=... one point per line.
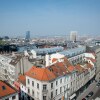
x=22, y=79
x=79, y=68
x=89, y=66
x=58, y=69
x=71, y=68
x=62, y=68
x=67, y=62
x=54, y=59
x=51, y=72
x=7, y=91
x=42, y=74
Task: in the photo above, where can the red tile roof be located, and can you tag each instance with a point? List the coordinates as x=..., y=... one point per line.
x=58, y=69
x=71, y=68
x=51, y=72
x=89, y=66
x=79, y=68
x=54, y=59
x=22, y=79
x=42, y=74
x=8, y=90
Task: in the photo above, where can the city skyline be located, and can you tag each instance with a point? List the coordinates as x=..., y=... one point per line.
x=49, y=17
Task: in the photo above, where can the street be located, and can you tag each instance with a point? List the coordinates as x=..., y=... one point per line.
x=92, y=87
x=97, y=94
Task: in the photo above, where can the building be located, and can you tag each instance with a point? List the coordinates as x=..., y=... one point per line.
x=84, y=63
x=74, y=55
x=96, y=51
x=45, y=83
x=63, y=78
x=7, y=92
x=11, y=66
x=27, y=36
x=43, y=51
x=73, y=36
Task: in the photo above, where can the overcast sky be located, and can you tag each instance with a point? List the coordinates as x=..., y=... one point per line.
x=49, y=17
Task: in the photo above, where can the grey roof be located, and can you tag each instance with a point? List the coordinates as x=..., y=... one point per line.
x=15, y=60
x=73, y=51
x=95, y=47
x=48, y=50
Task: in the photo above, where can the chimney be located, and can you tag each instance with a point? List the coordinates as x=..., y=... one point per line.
x=47, y=60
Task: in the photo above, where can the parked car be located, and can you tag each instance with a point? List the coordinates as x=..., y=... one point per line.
x=90, y=94
x=99, y=81
x=87, y=97
x=96, y=81
x=84, y=99
x=98, y=84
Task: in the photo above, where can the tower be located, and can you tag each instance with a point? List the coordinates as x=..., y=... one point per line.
x=27, y=36
x=73, y=36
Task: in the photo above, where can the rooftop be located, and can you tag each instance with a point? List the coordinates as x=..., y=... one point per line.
x=15, y=60
x=22, y=79
x=42, y=74
x=48, y=50
x=73, y=51
x=6, y=90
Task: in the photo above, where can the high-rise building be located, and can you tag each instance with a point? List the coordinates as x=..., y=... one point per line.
x=27, y=35
x=73, y=36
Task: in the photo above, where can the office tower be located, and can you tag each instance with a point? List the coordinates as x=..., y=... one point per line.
x=27, y=35
x=73, y=36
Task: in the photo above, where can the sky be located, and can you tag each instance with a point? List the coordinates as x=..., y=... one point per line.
x=49, y=17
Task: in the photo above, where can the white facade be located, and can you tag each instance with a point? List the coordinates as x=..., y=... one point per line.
x=7, y=71
x=51, y=90
x=10, y=71
x=11, y=97
x=89, y=55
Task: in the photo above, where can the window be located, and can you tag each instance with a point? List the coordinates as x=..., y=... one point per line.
x=60, y=89
x=44, y=97
x=51, y=94
x=3, y=87
x=32, y=83
x=28, y=90
x=67, y=85
x=37, y=94
x=37, y=85
x=7, y=99
x=44, y=87
x=64, y=79
x=56, y=82
x=71, y=83
x=28, y=81
x=56, y=91
x=60, y=80
x=32, y=92
x=13, y=97
x=51, y=85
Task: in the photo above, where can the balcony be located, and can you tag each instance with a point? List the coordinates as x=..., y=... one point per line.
x=32, y=97
x=44, y=91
